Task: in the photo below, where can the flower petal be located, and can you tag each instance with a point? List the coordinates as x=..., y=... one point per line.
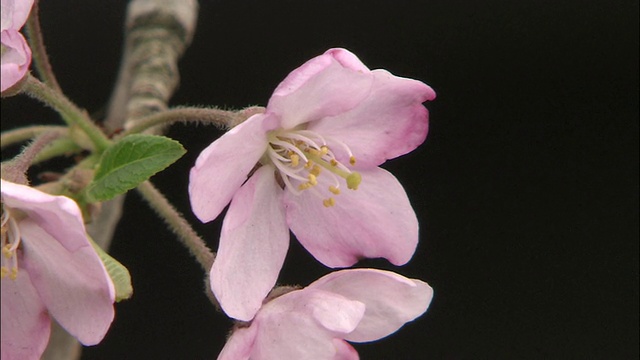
x=390, y=122
x=15, y=13
x=25, y=322
x=16, y=58
x=376, y=220
x=73, y=285
x=391, y=300
x=240, y=344
x=344, y=350
x=347, y=59
x=253, y=245
x=319, y=88
x=59, y=216
x=223, y=166
x=302, y=325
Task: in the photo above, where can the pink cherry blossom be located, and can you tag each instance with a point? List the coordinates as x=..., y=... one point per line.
x=49, y=268
x=325, y=130
x=357, y=305
x=16, y=54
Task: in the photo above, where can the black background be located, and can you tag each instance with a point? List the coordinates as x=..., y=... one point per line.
x=526, y=188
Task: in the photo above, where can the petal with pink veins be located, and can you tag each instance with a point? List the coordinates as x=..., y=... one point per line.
x=253, y=245
x=321, y=87
x=223, y=167
x=296, y=325
x=16, y=58
x=376, y=220
x=15, y=13
x=73, y=285
x=25, y=322
x=240, y=345
x=59, y=216
x=390, y=122
x=391, y=300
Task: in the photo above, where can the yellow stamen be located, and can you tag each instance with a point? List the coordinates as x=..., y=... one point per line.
x=329, y=202
x=324, y=150
x=4, y=271
x=352, y=160
x=334, y=190
x=304, y=186
x=295, y=159
x=6, y=250
x=312, y=180
x=312, y=151
x=316, y=170
x=308, y=165
x=333, y=162
x=14, y=273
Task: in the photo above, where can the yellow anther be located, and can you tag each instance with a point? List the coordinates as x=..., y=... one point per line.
x=334, y=190
x=4, y=271
x=6, y=250
x=14, y=273
x=316, y=170
x=308, y=165
x=352, y=160
x=313, y=151
x=333, y=162
x=312, y=180
x=324, y=150
x=304, y=186
x=353, y=180
x=295, y=159
x=329, y=202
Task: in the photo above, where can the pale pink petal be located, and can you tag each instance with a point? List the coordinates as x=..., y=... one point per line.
x=376, y=220
x=299, y=325
x=73, y=285
x=25, y=322
x=344, y=350
x=223, y=167
x=321, y=87
x=57, y=215
x=335, y=313
x=15, y=13
x=253, y=245
x=390, y=122
x=391, y=300
x=16, y=58
x=240, y=345
x=347, y=59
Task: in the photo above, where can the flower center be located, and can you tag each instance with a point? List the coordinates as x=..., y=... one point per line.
x=302, y=156
x=10, y=242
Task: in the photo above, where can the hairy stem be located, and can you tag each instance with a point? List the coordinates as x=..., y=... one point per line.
x=221, y=118
x=19, y=135
x=194, y=243
x=70, y=113
x=39, y=52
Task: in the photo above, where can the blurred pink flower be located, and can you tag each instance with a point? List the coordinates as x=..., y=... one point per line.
x=49, y=268
x=326, y=129
x=357, y=305
x=16, y=54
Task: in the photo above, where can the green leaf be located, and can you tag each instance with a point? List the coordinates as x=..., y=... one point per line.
x=117, y=272
x=131, y=161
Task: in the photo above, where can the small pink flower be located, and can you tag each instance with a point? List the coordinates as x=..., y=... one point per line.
x=49, y=268
x=357, y=305
x=326, y=129
x=16, y=54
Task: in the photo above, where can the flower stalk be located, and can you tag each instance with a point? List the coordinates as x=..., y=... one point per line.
x=69, y=112
x=39, y=52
